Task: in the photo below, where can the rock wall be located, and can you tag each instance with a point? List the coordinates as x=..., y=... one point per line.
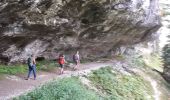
x=94, y=27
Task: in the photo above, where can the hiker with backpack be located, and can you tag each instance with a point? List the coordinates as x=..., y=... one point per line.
x=76, y=59
x=61, y=61
x=31, y=66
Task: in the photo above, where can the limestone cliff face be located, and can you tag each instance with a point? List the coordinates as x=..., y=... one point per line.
x=94, y=27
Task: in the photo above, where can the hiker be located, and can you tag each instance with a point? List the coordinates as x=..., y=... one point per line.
x=76, y=59
x=61, y=61
x=32, y=66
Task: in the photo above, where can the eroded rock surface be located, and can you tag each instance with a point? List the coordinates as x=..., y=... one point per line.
x=94, y=27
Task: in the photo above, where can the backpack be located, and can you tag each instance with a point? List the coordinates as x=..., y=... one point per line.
x=29, y=62
x=75, y=57
x=61, y=60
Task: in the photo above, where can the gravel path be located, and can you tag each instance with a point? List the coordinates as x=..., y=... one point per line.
x=13, y=86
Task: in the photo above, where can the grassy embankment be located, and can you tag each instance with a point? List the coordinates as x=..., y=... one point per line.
x=23, y=68
x=111, y=85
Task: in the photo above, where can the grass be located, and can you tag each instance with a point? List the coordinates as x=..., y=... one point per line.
x=154, y=61
x=46, y=65
x=137, y=62
x=116, y=86
x=63, y=89
x=119, y=57
x=110, y=85
x=23, y=68
x=162, y=85
x=13, y=69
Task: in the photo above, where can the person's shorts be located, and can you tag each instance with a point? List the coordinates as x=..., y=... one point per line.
x=76, y=62
x=61, y=65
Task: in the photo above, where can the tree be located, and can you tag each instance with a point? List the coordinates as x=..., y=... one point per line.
x=166, y=58
x=166, y=53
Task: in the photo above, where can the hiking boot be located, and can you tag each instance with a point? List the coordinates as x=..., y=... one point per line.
x=27, y=79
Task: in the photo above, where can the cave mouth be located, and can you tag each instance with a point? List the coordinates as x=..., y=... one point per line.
x=84, y=21
x=4, y=60
x=40, y=58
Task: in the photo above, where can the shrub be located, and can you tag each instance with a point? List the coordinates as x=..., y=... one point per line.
x=137, y=61
x=154, y=61
x=13, y=69
x=63, y=89
x=23, y=68
x=117, y=86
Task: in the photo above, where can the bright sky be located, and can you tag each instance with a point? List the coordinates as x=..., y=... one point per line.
x=165, y=31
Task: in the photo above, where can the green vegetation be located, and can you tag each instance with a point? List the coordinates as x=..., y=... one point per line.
x=154, y=61
x=137, y=61
x=63, y=89
x=162, y=85
x=117, y=86
x=110, y=85
x=46, y=65
x=23, y=68
x=166, y=58
x=120, y=57
x=166, y=55
x=12, y=69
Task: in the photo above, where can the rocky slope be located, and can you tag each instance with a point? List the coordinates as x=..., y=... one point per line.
x=94, y=27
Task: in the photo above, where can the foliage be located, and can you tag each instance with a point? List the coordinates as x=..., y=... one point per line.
x=119, y=57
x=113, y=86
x=46, y=65
x=12, y=69
x=137, y=61
x=21, y=68
x=117, y=86
x=63, y=89
x=154, y=61
x=166, y=55
x=166, y=59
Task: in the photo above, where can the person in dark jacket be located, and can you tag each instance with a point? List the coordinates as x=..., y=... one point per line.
x=76, y=59
x=31, y=66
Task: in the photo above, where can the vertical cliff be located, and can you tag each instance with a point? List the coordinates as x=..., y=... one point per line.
x=94, y=27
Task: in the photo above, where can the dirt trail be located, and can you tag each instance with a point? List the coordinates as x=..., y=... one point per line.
x=13, y=86
x=153, y=83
